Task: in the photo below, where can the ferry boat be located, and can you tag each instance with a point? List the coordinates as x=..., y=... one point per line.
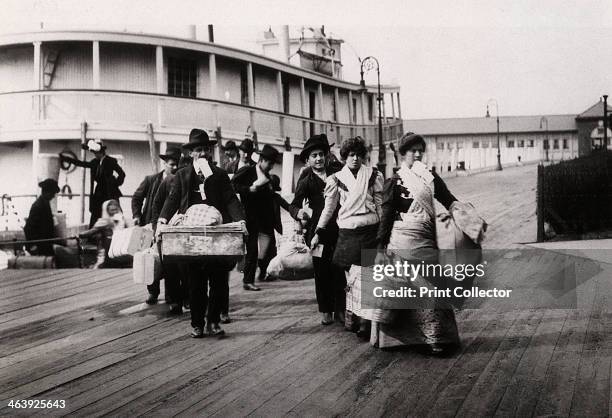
x=140, y=93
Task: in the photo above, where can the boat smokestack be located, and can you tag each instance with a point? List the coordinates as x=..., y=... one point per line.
x=211, y=34
x=283, y=41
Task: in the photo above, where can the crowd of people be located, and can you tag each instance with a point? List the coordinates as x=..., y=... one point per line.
x=350, y=207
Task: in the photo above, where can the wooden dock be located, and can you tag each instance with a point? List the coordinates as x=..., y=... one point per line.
x=85, y=337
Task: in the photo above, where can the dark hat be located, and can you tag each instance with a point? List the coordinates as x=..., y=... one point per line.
x=270, y=153
x=198, y=137
x=275, y=183
x=229, y=145
x=314, y=142
x=172, y=153
x=408, y=141
x=247, y=146
x=49, y=185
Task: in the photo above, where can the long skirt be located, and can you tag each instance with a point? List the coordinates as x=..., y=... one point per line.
x=351, y=242
x=416, y=326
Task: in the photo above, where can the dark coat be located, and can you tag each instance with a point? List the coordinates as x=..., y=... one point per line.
x=311, y=187
x=396, y=201
x=262, y=207
x=146, y=193
x=106, y=184
x=218, y=190
x=163, y=191
x=39, y=225
x=232, y=167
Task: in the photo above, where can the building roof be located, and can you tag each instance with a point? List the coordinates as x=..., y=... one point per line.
x=595, y=111
x=482, y=125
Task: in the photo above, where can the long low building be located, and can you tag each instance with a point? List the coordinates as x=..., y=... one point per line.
x=471, y=144
x=141, y=93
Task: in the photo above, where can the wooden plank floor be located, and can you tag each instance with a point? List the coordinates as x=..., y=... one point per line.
x=83, y=336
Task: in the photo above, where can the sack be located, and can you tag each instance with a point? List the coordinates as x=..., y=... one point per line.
x=147, y=266
x=293, y=261
x=202, y=215
x=128, y=241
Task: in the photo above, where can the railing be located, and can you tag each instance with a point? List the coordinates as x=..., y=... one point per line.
x=115, y=109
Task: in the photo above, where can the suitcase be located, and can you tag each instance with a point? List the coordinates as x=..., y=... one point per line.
x=147, y=266
x=203, y=243
x=129, y=241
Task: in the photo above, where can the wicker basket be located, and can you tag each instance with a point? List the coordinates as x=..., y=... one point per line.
x=203, y=243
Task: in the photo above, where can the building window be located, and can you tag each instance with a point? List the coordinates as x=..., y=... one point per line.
x=546, y=144
x=530, y=143
x=485, y=143
x=244, y=87
x=475, y=144
x=334, y=116
x=285, y=97
x=556, y=144
x=439, y=145
x=449, y=145
x=521, y=143
x=354, y=111
x=182, y=77
x=565, y=144
x=459, y=145
x=370, y=107
x=510, y=144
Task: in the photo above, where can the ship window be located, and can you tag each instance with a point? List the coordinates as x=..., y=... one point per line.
x=475, y=144
x=182, y=77
x=556, y=144
x=334, y=114
x=285, y=97
x=565, y=145
x=244, y=87
x=485, y=143
x=521, y=143
x=354, y=111
x=530, y=143
x=370, y=107
x=546, y=144
x=510, y=144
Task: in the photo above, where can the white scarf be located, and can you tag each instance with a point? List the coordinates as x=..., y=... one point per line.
x=419, y=182
x=357, y=188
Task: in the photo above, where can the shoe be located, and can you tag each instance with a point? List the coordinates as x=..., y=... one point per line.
x=251, y=286
x=225, y=319
x=214, y=331
x=364, y=331
x=327, y=318
x=197, y=332
x=186, y=306
x=441, y=349
x=151, y=300
x=175, y=309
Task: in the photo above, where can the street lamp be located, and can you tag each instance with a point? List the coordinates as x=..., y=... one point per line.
x=493, y=101
x=543, y=119
x=367, y=64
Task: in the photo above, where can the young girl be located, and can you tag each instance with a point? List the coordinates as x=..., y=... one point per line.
x=112, y=219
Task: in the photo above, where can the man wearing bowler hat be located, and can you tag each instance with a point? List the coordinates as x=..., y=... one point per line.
x=330, y=280
x=143, y=214
x=102, y=169
x=257, y=196
x=39, y=224
x=231, y=157
x=202, y=182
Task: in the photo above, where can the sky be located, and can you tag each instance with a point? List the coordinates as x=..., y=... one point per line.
x=449, y=57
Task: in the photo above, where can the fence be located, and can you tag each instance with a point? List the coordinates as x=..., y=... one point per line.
x=575, y=197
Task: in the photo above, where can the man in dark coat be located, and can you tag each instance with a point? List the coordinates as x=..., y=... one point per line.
x=102, y=169
x=39, y=224
x=330, y=280
x=145, y=193
x=202, y=183
x=230, y=161
x=143, y=214
x=257, y=196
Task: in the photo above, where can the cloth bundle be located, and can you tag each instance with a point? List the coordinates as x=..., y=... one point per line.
x=198, y=215
x=293, y=261
x=128, y=241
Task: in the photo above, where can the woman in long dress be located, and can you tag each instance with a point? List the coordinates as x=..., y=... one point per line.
x=407, y=231
x=357, y=189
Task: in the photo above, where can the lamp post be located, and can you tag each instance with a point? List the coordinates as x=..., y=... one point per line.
x=605, y=122
x=493, y=101
x=367, y=64
x=543, y=119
